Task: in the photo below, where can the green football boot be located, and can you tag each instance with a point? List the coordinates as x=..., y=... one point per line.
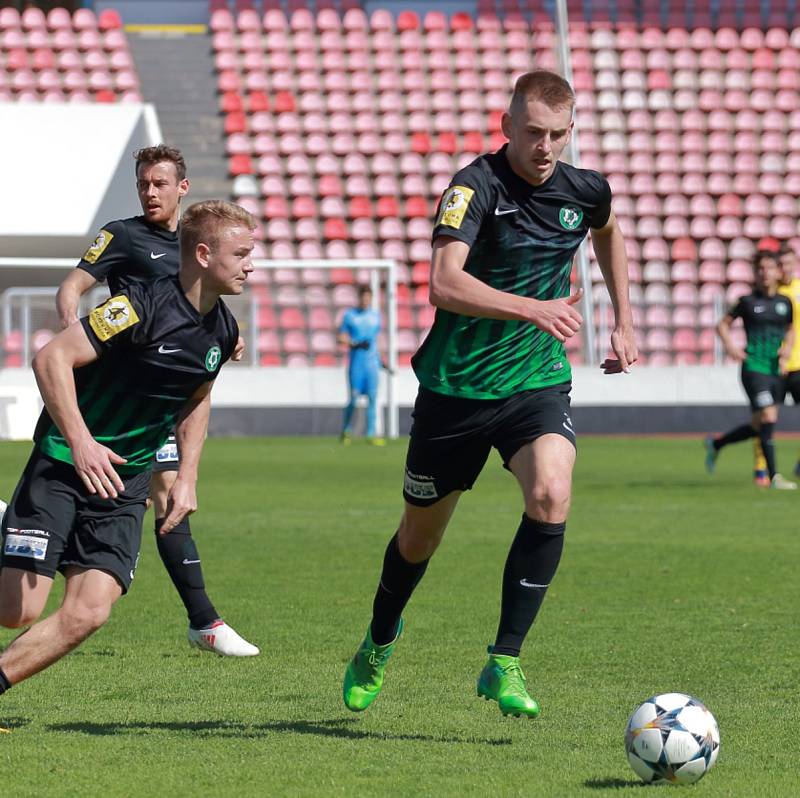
x=363, y=678
x=502, y=680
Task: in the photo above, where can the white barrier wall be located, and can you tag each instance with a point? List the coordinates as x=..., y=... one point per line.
x=66, y=171
x=244, y=387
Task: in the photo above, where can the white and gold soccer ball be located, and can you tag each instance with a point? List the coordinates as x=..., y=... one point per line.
x=672, y=737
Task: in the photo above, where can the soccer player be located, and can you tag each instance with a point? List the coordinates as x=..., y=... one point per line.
x=790, y=287
x=114, y=386
x=141, y=249
x=767, y=317
x=493, y=373
x=359, y=331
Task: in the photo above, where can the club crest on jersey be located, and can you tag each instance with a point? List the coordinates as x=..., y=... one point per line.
x=212, y=358
x=570, y=217
x=98, y=247
x=454, y=206
x=112, y=317
x=781, y=309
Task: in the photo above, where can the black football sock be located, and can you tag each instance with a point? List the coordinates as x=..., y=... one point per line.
x=767, y=446
x=398, y=580
x=736, y=435
x=4, y=683
x=179, y=555
x=530, y=566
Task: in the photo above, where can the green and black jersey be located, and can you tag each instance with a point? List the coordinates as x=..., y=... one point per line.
x=155, y=350
x=766, y=321
x=130, y=250
x=522, y=240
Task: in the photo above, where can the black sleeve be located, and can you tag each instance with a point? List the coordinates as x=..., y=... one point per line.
x=123, y=319
x=110, y=251
x=737, y=310
x=602, y=211
x=463, y=206
x=233, y=336
x=790, y=318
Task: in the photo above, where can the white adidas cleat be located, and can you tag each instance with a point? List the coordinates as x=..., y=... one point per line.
x=221, y=639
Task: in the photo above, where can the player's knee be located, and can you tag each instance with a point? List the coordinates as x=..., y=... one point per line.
x=16, y=616
x=418, y=539
x=549, y=501
x=79, y=620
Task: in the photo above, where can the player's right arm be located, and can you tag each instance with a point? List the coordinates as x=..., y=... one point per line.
x=724, y=331
x=453, y=289
x=69, y=294
x=53, y=367
x=108, y=252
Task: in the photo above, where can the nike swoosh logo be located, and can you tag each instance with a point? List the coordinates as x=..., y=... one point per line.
x=162, y=350
x=153, y=255
x=190, y=562
x=498, y=212
x=526, y=583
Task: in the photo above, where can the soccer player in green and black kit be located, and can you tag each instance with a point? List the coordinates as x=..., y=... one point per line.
x=141, y=249
x=767, y=317
x=493, y=373
x=114, y=386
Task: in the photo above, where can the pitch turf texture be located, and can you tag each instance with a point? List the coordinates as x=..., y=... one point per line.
x=671, y=581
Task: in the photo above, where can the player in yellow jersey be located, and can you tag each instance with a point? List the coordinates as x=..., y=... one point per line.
x=790, y=288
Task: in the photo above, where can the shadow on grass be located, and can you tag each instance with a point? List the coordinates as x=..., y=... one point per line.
x=612, y=784
x=335, y=727
x=11, y=722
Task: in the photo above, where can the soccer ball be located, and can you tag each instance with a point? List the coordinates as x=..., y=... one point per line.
x=672, y=737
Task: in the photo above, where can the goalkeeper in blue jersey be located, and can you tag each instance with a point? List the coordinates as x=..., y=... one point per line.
x=359, y=332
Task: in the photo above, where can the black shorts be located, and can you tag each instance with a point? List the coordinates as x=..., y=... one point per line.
x=167, y=457
x=52, y=522
x=791, y=387
x=451, y=437
x=763, y=390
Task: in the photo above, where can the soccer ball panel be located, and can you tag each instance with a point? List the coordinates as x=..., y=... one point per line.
x=712, y=758
x=642, y=716
x=691, y=771
x=642, y=769
x=671, y=701
x=680, y=746
x=648, y=745
x=696, y=720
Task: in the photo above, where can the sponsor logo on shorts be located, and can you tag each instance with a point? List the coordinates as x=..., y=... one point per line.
x=33, y=546
x=168, y=453
x=764, y=399
x=419, y=486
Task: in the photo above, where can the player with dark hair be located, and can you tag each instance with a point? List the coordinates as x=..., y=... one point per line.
x=493, y=372
x=141, y=249
x=114, y=385
x=767, y=317
x=359, y=332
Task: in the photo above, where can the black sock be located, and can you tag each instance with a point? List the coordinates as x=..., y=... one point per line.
x=531, y=564
x=736, y=435
x=4, y=683
x=398, y=580
x=767, y=446
x=179, y=555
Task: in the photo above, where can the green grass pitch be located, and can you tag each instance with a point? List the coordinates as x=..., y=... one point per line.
x=671, y=581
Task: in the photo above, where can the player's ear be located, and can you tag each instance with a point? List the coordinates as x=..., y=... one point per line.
x=505, y=124
x=183, y=187
x=201, y=254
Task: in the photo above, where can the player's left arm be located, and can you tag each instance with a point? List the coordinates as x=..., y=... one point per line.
x=785, y=352
x=190, y=434
x=609, y=246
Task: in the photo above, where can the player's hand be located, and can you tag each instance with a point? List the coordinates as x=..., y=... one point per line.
x=68, y=322
x=94, y=464
x=181, y=501
x=559, y=317
x=623, y=342
x=736, y=353
x=238, y=350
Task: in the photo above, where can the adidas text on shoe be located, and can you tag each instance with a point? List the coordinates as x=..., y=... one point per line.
x=502, y=680
x=219, y=638
x=363, y=678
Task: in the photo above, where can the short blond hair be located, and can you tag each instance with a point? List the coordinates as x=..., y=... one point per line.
x=204, y=222
x=543, y=85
